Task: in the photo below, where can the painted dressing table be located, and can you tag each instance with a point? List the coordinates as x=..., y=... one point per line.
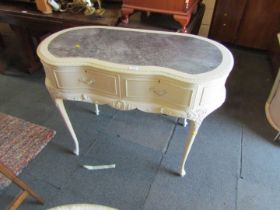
x=180, y=75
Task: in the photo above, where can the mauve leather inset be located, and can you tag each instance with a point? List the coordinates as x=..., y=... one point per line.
x=181, y=53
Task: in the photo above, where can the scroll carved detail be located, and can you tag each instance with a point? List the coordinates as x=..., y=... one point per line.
x=197, y=115
x=87, y=81
x=122, y=105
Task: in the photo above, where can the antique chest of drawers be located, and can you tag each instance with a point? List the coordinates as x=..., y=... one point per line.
x=180, y=9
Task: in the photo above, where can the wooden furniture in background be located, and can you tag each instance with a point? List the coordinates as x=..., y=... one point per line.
x=185, y=78
x=181, y=10
x=30, y=24
x=249, y=23
x=20, y=142
x=274, y=53
x=164, y=22
x=26, y=190
x=43, y=6
x=2, y=44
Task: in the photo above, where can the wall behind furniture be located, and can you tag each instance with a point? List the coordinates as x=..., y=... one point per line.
x=206, y=21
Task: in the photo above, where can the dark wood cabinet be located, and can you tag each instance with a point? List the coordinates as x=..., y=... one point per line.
x=29, y=25
x=250, y=23
x=180, y=9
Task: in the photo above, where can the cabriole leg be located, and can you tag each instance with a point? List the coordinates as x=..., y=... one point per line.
x=194, y=126
x=60, y=105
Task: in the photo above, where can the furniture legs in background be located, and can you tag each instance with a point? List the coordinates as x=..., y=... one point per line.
x=2, y=44
x=26, y=189
x=126, y=12
x=183, y=20
x=277, y=137
x=29, y=49
x=96, y=109
x=193, y=129
x=183, y=122
x=60, y=105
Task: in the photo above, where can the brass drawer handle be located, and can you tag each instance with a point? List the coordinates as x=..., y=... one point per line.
x=87, y=81
x=158, y=92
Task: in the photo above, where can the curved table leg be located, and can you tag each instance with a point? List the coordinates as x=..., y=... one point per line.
x=194, y=126
x=60, y=105
x=96, y=109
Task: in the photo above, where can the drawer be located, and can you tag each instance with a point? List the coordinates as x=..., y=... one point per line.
x=99, y=82
x=169, y=92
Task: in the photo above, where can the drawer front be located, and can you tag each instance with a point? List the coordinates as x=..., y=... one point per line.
x=95, y=80
x=160, y=91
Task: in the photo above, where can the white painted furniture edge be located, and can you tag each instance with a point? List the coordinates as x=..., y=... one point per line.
x=82, y=207
x=273, y=102
x=208, y=89
x=272, y=106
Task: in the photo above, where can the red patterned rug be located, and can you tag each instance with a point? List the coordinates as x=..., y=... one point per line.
x=20, y=142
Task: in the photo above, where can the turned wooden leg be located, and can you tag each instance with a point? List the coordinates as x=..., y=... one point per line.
x=194, y=126
x=125, y=14
x=26, y=189
x=60, y=105
x=183, y=20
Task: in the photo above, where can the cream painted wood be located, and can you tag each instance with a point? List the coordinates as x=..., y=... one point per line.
x=82, y=207
x=272, y=106
x=194, y=126
x=185, y=123
x=97, y=109
x=151, y=89
x=60, y=105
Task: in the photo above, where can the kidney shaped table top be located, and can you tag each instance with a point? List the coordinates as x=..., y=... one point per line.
x=176, y=74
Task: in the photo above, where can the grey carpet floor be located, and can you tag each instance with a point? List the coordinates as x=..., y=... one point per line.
x=233, y=165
